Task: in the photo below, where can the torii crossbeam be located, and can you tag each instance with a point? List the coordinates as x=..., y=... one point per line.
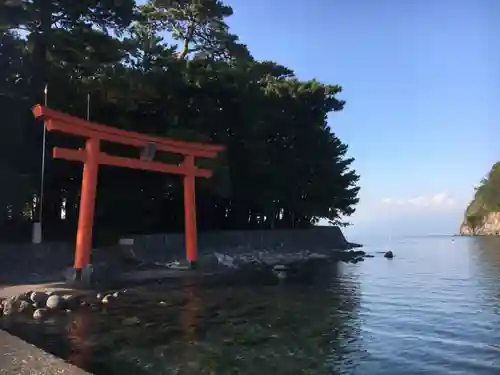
x=92, y=157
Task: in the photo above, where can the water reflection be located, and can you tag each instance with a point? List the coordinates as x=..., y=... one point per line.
x=78, y=328
x=432, y=310
x=191, y=324
x=346, y=345
x=307, y=326
x=192, y=309
x=487, y=251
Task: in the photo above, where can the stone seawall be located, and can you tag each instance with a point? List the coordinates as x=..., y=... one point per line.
x=27, y=263
x=171, y=246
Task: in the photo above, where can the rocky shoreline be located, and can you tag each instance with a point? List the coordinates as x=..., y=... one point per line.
x=100, y=330
x=489, y=225
x=42, y=304
x=271, y=258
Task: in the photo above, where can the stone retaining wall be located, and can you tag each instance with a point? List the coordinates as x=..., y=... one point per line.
x=171, y=246
x=27, y=263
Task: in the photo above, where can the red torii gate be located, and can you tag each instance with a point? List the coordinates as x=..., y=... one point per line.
x=92, y=157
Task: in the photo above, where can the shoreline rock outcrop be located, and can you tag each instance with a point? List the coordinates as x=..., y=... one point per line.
x=489, y=225
x=273, y=258
x=41, y=304
x=482, y=216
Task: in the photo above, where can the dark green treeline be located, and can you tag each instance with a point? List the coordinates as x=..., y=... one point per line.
x=170, y=68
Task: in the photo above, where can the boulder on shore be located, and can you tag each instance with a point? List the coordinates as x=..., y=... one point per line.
x=40, y=314
x=54, y=302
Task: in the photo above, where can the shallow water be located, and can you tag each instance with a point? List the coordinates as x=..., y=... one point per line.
x=433, y=309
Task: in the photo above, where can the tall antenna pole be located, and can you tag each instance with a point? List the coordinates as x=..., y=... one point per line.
x=37, y=226
x=44, y=141
x=88, y=106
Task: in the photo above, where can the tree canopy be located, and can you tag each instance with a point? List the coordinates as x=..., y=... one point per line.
x=486, y=198
x=170, y=68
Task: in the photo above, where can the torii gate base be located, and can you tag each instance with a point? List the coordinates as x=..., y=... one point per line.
x=92, y=157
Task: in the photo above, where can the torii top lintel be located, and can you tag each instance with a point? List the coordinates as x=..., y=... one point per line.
x=62, y=122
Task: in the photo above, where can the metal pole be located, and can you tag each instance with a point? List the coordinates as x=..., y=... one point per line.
x=45, y=91
x=88, y=106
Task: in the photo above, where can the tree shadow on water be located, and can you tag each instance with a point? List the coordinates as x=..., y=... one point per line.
x=486, y=250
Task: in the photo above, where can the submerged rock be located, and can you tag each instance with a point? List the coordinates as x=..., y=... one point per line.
x=280, y=271
x=357, y=259
x=131, y=321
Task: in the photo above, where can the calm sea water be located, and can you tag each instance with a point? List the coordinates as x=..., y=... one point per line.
x=434, y=309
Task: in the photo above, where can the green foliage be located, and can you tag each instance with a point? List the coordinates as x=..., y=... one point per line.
x=474, y=222
x=283, y=167
x=487, y=196
x=199, y=27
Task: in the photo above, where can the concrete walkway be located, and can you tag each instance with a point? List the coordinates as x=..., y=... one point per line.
x=17, y=357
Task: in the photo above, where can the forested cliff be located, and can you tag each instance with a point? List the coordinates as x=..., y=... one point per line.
x=482, y=216
x=170, y=68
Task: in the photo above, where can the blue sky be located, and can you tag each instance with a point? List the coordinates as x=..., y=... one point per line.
x=421, y=81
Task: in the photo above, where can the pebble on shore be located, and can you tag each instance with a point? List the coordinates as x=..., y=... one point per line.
x=40, y=304
x=54, y=302
x=40, y=313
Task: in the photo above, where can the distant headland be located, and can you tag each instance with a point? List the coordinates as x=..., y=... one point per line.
x=482, y=216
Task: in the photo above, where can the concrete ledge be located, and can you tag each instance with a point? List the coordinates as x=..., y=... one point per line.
x=18, y=357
